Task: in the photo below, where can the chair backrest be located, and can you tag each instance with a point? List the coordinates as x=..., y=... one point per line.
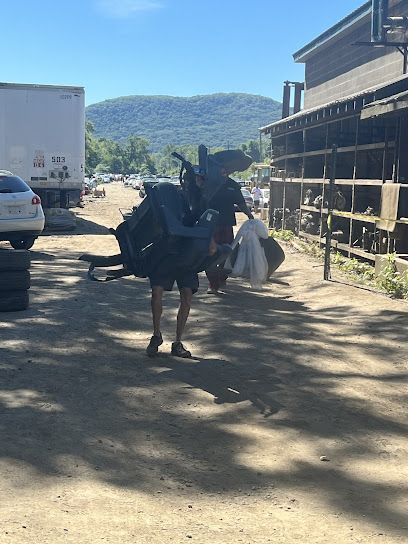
x=155, y=232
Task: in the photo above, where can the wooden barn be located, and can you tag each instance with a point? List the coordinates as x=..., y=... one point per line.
x=355, y=100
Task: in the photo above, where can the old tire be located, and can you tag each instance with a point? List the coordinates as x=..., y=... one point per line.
x=18, y=280
x=14, y=260
x=13, y=301
x=24, y=243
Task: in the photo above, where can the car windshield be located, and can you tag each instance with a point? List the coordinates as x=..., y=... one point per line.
x=12, y=184
x=245, y=192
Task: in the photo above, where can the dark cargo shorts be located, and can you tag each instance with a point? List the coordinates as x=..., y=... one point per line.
x=166, y=279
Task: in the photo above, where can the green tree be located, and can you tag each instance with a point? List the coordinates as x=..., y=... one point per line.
x=251, y=148
x=92, y=150
x=168, y=165
x=137, y=154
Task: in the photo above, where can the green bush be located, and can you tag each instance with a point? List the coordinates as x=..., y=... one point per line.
x=360, y=271
x=285, y=235
x=391, y=281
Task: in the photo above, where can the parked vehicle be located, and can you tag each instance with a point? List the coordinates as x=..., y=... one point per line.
x=43, y=139
x=90, y=185
x=146, y=181
x=175, y=180
x=21, y=215
x=87, y=186
x=248, y=198
x=264, y=200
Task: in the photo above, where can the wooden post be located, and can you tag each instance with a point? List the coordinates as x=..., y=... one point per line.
x=353, y=188
x=327, y=275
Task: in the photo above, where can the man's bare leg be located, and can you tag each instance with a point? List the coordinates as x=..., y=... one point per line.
x=186, y=296
x=157, y=310
x=177, y=348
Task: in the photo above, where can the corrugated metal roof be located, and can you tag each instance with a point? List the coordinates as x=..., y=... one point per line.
x=390, y=105
x=329, y=34
x=304, y=113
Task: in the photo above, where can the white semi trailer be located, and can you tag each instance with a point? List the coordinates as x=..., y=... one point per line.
x=42, y=139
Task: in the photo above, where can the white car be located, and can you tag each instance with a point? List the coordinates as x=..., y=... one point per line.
x=21, y=214
x=248, y=198
x=264, y=201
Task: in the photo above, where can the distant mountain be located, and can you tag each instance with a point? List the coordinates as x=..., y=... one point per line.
x=217, y=120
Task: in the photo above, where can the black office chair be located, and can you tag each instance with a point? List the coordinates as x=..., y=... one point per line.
x=155, y=234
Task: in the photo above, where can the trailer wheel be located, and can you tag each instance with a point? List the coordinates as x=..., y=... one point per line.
x=18, y=280
x=25, y=243
x=13, y=301
x=14, y=260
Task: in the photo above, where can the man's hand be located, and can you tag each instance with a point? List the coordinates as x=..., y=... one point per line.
x=212, y=250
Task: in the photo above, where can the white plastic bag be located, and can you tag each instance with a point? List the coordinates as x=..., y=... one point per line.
x=251, y=261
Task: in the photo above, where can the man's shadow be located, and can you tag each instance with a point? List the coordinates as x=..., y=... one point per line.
x=227, y=383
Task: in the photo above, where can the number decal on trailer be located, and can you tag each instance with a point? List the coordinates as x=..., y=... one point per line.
x=58, y=160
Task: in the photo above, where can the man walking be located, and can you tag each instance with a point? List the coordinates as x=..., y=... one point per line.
x=163, y=280
x=225, y=201
x=256, y=195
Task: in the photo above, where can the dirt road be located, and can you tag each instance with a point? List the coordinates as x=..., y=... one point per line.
x=100, y=444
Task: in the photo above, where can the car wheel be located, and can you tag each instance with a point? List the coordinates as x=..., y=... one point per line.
x=18, y=280
x=14, y=260
x=14, y=301
x=25, y=243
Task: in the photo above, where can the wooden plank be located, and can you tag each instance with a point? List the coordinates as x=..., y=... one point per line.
x=361, y=253
x=339, y=245
x=315, y=181
x=357, y=216
x=311, y=237
x=344, y=149
x=362, y=182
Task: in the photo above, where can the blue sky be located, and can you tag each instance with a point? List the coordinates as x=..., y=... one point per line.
x=168, y=47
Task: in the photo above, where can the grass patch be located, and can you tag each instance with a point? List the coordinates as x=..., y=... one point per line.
x=389, y=281
x=285, y=235
x=358, y=270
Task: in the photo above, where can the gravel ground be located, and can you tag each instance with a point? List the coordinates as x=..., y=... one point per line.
x=289, y=426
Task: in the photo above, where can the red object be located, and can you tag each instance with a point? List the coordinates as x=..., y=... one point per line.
x=36, y=201
x=217, y=277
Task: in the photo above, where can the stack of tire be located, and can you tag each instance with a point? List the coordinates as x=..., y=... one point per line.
x=14, y=279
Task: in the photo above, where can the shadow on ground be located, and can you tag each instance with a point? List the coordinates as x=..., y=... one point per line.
x=83, y=227
x=78, y=395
